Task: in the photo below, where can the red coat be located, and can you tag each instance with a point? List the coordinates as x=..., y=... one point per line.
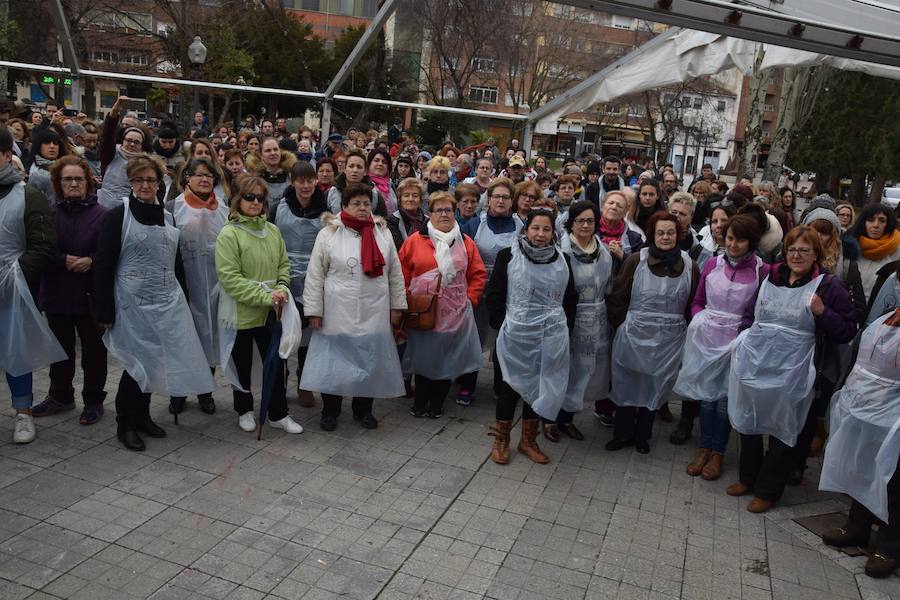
x=417, y=258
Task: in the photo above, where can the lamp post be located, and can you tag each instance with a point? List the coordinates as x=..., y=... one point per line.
x=240, y=81
x=197, y=56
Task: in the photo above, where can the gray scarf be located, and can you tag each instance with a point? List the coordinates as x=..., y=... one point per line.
x=542, y=255
x=9, y=175
x=42, y=163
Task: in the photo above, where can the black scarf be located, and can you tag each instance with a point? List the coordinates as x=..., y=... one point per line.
x=157, y=149
x=669, y=258
x=643, y=215
x=317, y=204
x=438, y=187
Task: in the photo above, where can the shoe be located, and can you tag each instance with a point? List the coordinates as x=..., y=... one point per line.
x=436, y=413
x=700, y=459
x=288, y=424
x=368, y=421
x=795, y=476
x=500, y=449
x=306, y=399
x=91, y=414
x=616, y=444
x=464, y=397
x=598, y=410
x=328, y=423
x=842, y=538
x=570, y=430
x=737, y=489
x=607, y=420
x=642, y=447
x=247, y=421
x=50, y=406
x=713, y=468
x=419, y=414
x=131, y=440
x=24, y=429
x=207, y=404
x=665, y=415
x=550, y=432
x=682, y=433
x=758, y=505
x=176, y=405
x=528, y=444
x=880, y=566
x=151, y=428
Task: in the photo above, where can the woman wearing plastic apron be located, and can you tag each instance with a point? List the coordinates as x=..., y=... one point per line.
x=439, y=259
x=532, y=301
x=862, y=452
x=591, y=265
x=770, y=384
x=728, y=285
x=199, y=216
x=649, y=303
x=496, y=231
x=886, y=293
x=141, y=304
x=353, y=295
x=299, y=219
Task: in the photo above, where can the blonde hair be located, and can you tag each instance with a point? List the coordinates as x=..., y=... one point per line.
x=248, y=184
x=409, y=183
x=441, y=197
x=439, y=161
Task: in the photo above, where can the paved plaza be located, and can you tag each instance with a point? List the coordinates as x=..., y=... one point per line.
x=412, y=510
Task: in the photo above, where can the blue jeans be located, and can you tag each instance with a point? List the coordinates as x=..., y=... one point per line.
x=20, y=390
x=714, y=425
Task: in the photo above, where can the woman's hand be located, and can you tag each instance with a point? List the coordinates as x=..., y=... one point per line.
x=278, y=298
x=78, y=264
x=315, y=322
x=615, y=248
x=396, y=318
x=816, y=305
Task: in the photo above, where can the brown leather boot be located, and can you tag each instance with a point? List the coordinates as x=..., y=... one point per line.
x=528, y=446
x=713, y=468
x=500, y=450
x=700, y=460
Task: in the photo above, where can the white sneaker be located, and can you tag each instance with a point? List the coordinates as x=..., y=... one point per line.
x=288, y=424
x=247, y=421
x=24, y=431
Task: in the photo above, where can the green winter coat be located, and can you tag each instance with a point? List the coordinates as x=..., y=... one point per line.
x=242, y=259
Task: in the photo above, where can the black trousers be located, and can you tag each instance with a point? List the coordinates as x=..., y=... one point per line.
x=861, y=520
x=824, y=390
x=690, y=409
x=331, y=405
x=633, y=423
x=132, y=405
x=242, y=354
x=93, y=358
x=508, y=398
x=764, y=471
x=430, y=393
x=468, y=382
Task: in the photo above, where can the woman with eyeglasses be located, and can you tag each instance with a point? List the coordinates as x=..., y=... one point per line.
x=140, y=299
x=532, y=300
x=526, y=192
x=353, y=296
x=114, y=157
x=254, y=274
x=496, y=230
x=439, y=259
x=467, y=199
x=770, y=385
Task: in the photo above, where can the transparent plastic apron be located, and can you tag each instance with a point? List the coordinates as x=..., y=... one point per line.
x=770, y=384
x=198, y=228
x=489, y=244
x=589, y=343
x=452, y=348
x=887, y=300
x=299, y=238
x=647, y=348
x=26, y=341
x=354, y=353
x=533, y=342
x=711, y=334
x=864, y=444
x=154, y=338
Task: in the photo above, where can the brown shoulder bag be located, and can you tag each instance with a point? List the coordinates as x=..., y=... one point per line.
x=421, y=311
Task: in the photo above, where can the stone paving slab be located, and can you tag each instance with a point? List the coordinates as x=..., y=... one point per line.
x=413, y=510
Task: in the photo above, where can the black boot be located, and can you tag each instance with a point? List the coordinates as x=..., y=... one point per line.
x=207, y=403
x=131, y=440
x=682, y=433
x=150, y=428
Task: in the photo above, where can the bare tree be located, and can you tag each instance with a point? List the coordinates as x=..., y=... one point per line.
x=754, y=131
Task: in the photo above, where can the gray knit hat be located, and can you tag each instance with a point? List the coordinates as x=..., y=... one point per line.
x=823, y=214
x=822, y=201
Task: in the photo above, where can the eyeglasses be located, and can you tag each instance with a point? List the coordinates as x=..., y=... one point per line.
x=800, y=251
x=584, y=221
x=254, y=197
x=500, y=197
x=529, y=196
x=132, y=142
x=72, y=180
x=139, y=181
x=203, y=175
x=443, y=211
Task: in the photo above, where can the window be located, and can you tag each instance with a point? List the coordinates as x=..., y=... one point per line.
x=698, y=102
x=137, y=21
x=136, y=59
x=484, y=65
x=720, y=106
x=368, y=8
x=309, y=5
x=482, y=94
x=612, y=109
x=636, y=110
x=622, y=22
x=104, y=56
x=107, y=99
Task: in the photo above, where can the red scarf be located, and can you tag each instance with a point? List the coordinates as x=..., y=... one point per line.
x=372, y=259
x=609, y=233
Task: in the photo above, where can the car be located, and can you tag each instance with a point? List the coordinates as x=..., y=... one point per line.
x=891, y=196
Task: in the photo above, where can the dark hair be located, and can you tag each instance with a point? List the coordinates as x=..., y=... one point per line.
x=652, y=183
x=302, y=170
x=192, y=165
x=859, y=230
x=51, y=101
x=384, y=154
x=727, y=208
x=578, y=208
x=744, y=227
x=233, y=153
x=47, y=136
x=325, y=160
x=540, y=212
x=660, y=216
x=264, y=119
x=738, y=200
x=353, y=190
x=758, y=213
x=612, y=159
x=6, y=140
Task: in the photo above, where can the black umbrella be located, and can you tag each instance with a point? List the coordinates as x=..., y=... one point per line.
x=272, y=373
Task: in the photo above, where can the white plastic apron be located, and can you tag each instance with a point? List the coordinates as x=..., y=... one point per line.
x=770, y=384
x=489, y=244
x=452, y=348
x=299, y=238
x=354, y=353
x=887, y=300
x=647, y=348
x=589, y=343
x=864, y=444
x=198, y=228
x=26, y=341
x=154, y=338
x=711, y=333
x=533, y=342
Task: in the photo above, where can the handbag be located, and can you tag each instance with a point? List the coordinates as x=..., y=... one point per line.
x=421, y=311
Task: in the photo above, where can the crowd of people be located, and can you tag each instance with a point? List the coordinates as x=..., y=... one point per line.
x=600, y=283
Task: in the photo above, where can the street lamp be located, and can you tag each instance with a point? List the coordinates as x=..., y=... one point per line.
x=240, y=81
x=197, y=56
